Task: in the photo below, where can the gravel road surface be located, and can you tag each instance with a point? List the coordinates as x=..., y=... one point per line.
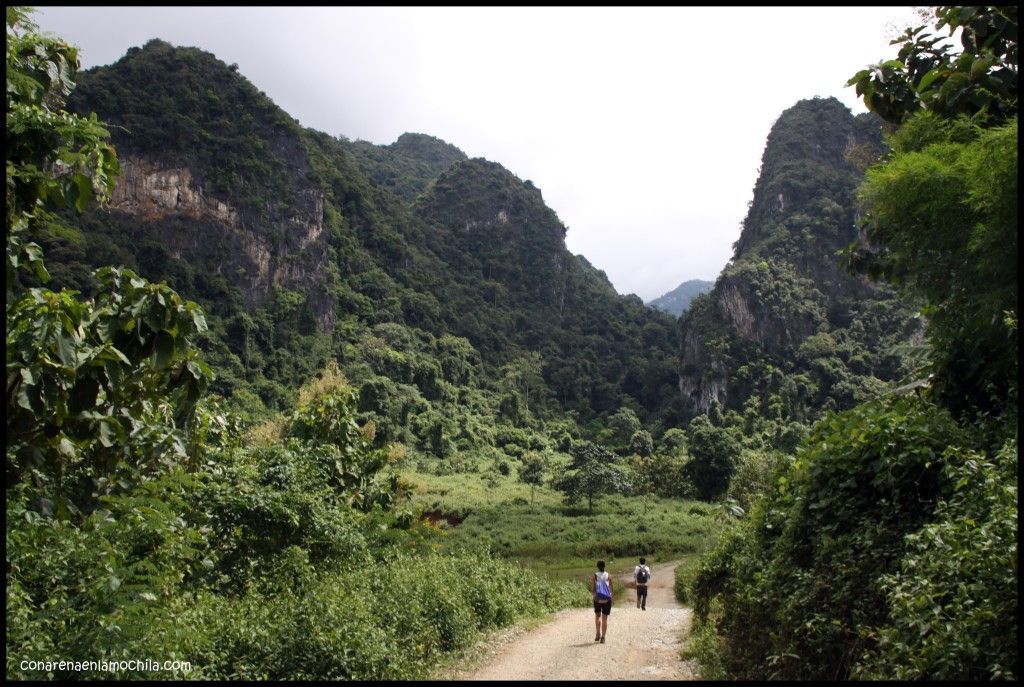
x=640, y=645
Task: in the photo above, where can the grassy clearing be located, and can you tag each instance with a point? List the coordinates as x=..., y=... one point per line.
x=558, y=540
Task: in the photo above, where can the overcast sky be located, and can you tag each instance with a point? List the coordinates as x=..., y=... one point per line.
x=643, y=127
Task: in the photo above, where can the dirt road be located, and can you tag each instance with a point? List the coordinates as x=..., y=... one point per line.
x=640, y=645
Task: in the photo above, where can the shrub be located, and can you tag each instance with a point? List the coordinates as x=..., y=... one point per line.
x=953, y=600
x=802, y=578
x=390, y=620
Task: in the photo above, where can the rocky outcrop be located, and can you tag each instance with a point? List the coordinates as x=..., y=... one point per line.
x=285, y=249
x=153, y=191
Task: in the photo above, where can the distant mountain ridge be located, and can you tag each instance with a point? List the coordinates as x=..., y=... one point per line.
x=676, y=301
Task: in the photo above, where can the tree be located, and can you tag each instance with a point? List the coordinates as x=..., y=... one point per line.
x=525, y=375
x=965, y=266
x=644, y=476
x=641, y=443
x=674, y=441
x=534, y=469
x=624, y=424
x=715, y=451
x=101, y=393
x=593, y=471
x=958, y=177
x=55, y=159
x=979, y=82
x=356, y=469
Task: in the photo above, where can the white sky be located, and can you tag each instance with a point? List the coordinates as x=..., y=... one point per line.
x=643, y=127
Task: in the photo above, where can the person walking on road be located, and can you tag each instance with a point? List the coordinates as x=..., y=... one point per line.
x=601, y=588
x=641, y=575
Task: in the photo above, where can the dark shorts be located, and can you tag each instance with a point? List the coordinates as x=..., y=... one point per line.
x=603, y=606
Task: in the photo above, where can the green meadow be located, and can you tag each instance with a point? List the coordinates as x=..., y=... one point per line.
x=560, y=540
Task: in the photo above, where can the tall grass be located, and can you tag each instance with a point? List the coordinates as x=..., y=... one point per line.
x=550, y=536
x=390, y=621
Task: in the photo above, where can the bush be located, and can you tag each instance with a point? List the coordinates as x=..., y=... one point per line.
x=684, y=575
x=802, y=579
x=754, y=475
x=391, y=620
x=953, y=601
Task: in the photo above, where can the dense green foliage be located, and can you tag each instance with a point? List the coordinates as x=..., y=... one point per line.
x=980, y=81
x=965, y=560
x=887, y=547
x=407, y=166
x=93, y=386
x=592, y=471
x=965, y=266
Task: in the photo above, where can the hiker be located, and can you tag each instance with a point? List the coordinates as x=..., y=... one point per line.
x=601, y=588
x=641, y=575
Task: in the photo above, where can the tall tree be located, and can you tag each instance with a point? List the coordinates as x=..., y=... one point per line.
x=592, y=472
x=534, y=469
x=980, y=81
x=941, y=213
x=99, y=393
x=715, y=451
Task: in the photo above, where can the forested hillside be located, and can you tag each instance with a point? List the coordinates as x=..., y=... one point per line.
x=676, y=301
x=307, y=241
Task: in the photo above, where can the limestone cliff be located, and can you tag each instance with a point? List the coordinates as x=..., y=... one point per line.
x=154, y=192
x=784, y=284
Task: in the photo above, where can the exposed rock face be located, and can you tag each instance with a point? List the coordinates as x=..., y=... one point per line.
x=753, y=318
x=153, y=191
x=703, y=380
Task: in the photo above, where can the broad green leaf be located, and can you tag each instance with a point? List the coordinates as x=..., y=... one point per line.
x=928, y=79
x=84, y=192
x=66, y=351
x=163, y=351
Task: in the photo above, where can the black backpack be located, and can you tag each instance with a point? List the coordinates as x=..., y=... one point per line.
x=642, y=575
